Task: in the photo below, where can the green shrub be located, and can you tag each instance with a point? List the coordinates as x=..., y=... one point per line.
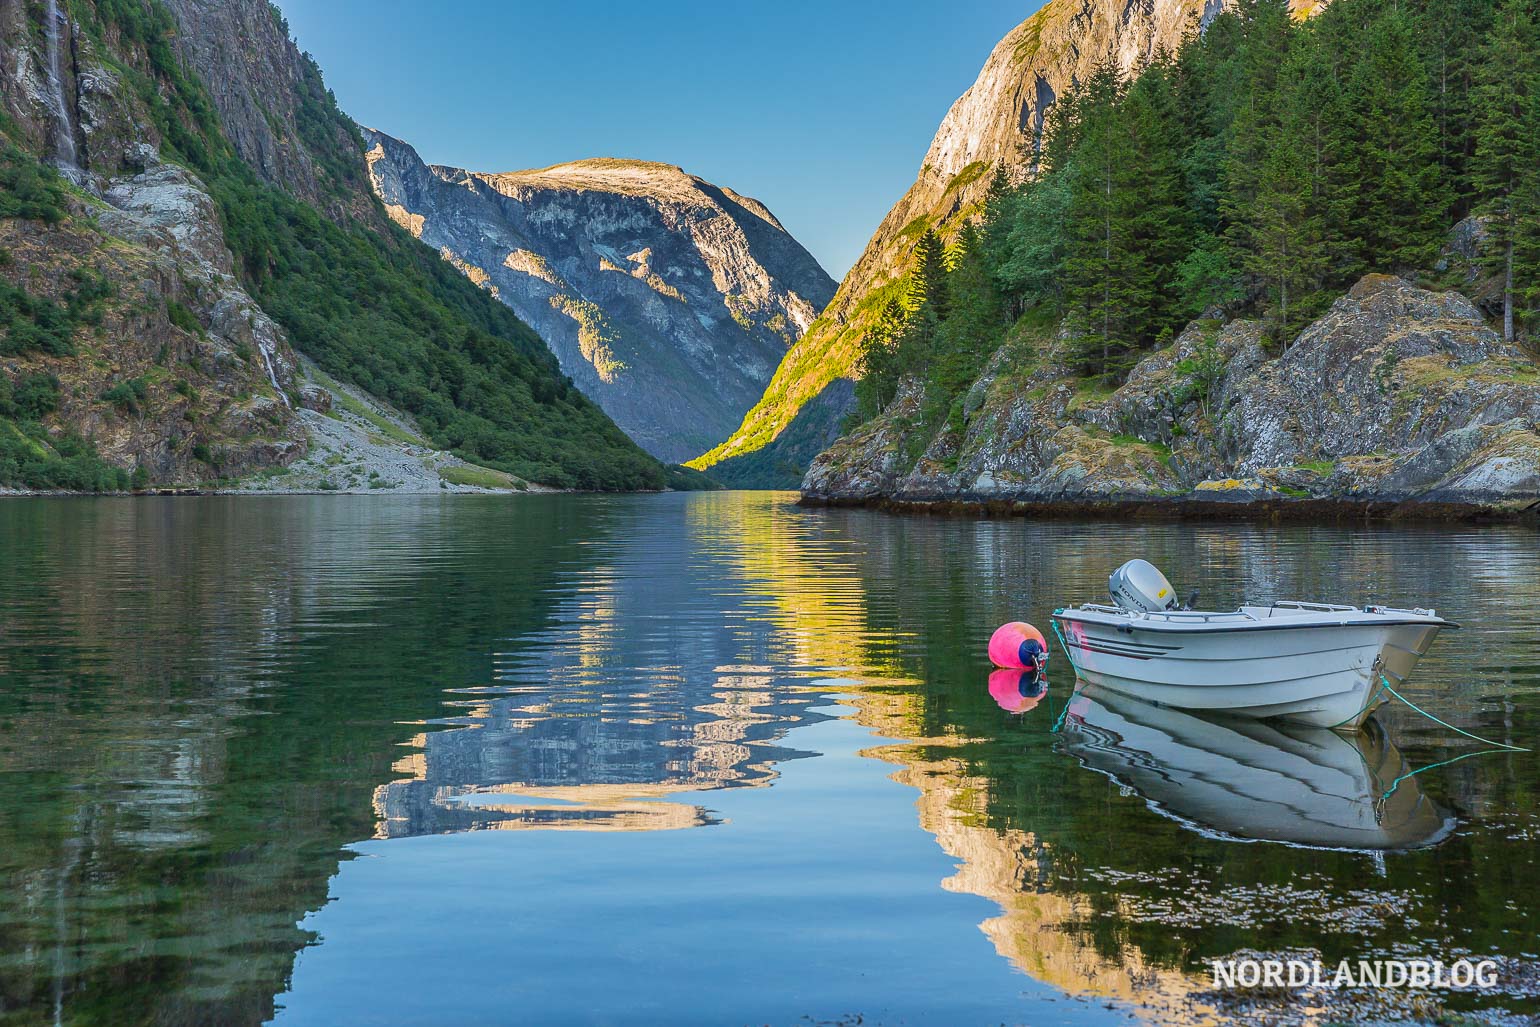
x=36, y=324
x=29, y=188
x=30, y=458
x=127, y=395
x=31, y=398
x=183, y=318
x=33, y=324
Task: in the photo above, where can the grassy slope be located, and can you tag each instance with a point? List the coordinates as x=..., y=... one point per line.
x=772, y=448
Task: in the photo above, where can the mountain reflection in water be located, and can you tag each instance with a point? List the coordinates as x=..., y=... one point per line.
x=563, y=752
x=315, y=756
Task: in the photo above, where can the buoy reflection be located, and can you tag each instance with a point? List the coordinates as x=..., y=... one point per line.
x=1018, y=691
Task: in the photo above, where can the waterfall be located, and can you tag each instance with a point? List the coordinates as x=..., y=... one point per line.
x=64, y=130
x=272, y=376
x=267, y=351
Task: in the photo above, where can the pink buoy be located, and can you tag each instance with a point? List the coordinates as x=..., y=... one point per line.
x=1018, y=646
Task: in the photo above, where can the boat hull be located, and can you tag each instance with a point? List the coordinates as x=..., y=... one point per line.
x=1324, y=675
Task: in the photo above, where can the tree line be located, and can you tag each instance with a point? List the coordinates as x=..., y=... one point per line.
x=1261, y=168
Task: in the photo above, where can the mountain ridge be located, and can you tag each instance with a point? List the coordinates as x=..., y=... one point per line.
x=668, y=299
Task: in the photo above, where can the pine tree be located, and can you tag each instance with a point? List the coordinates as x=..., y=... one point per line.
x=879, y=370
x=1102, y=282
x=972, y=329
x=1450, y=33
x=902, y=342
x=1207, y=67
x=1061, y=132
x=1315, y=117
x=1161, y=225
x=927, y=280
x=1000, y=205
x=1204, y=66
x=1036, y=244
x=1284, y=246
x=1503, y=169
x=1401, y=207
x=998, y=197
x=1267, y=32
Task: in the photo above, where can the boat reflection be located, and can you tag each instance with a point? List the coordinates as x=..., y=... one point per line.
x=1256, y=780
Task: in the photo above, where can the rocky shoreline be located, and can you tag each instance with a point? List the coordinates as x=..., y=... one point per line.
x=1189, y=508
x=353, y=444
x=1399, y=403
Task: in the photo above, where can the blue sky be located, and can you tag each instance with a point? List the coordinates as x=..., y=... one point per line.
x=823, y=110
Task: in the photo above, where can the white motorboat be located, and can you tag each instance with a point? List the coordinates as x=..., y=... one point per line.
x=1316, y=663
x=1256, y=780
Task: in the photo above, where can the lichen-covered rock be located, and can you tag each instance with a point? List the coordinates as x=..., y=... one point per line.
x=1396, y=395
x=1462, y=263
x=668, y=300
x=313, y=397
x=1391, y=369
x=870, y=462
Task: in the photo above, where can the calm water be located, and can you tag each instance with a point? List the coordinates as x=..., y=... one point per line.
x=709, y=758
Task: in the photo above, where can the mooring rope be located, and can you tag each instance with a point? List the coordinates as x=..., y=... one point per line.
x=1054, y=620
x=1057, y=724
x=1380, y=803
x=1385, y=687
x=1495, y=746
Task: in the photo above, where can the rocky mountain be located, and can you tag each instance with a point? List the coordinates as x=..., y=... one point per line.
x=668, y=300
x=183, y=210
x=141, y=355
x=1397, y=394
x=997, y=122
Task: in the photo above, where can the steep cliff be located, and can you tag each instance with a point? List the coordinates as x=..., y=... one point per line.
x=1397, y=394
x=272, y=104
x=210, y=214
x=130, y=352
x=668, y=300
x=995, y=123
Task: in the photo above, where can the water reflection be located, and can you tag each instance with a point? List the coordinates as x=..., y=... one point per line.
x=1257, y=780
x=1017, y=691
x=554, y=748
x=209, y=709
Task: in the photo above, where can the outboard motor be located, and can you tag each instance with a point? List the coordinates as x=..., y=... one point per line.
x=1138, y=586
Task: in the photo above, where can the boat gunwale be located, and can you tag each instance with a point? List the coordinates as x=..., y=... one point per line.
x=1131, y=622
